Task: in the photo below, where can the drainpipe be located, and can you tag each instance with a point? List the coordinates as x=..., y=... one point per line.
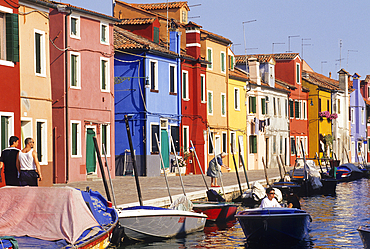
x=145, y=116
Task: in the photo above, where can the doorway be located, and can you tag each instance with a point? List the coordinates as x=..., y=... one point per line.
x=90, y=151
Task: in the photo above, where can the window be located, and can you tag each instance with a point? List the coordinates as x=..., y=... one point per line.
x=339, y=107
x=185, y=136
x=184, y=18
x=223, y=62
x=278, y=107
x=281, y=145
x=40, y=64
x=76, y=138
x=224, y=142
x=304, y=110
x=105, y=138
x=9, y=42
x=153, y=72
x=298, y=73
x=297, y=109
x=274, y=104
x=252, y=144
x=223, y=104
x=267, y=104
x=210, y=102
x=274, y=144
x=233, y=141
x=185, y=85
x=75, y=26
x=7, y=128
x=237, y=99
x=231, y=62
x=286, y=108
x=75, y=70
x=155, y=34
x=175, y=138
x=210, y=143
x=104, y=33
x=173, y=83
x=319, y=105
x=291, y=108
x=210, y=58
x=263, y=106
x=328, y=105
x=352, y=117
x=202, y=88
x=104, y=74
x=292, y=146
x=154, y=131
x=362, y=116
x=41, y=141
x=252, y=104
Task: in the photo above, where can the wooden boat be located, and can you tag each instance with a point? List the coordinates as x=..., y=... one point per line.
x=348, y=172
x=274, y=224
x=55, y=218
x=216, y=211
x=153, y=223
x=364, y=232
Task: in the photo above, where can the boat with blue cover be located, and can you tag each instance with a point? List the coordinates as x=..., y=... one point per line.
x=44, y=217
x=348, y=172
x=274, y=224
x=364, y=232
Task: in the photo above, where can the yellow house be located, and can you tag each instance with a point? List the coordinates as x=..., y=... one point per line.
x=237, y=114
x=36, y=103
x=215, y=49
x=320, y=112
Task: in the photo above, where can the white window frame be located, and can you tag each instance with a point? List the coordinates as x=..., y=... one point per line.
x=362, y=116
x=44, y=141
x=42, y=53
x=79, y=149
x=210, y=66
x=306, y=145
x=210, y=102
x=24, y=136
x=237, y=100
x=304, y=109
x=156, y=74
x=185, y=129
x=224, y=107
x=4, y=62
x=224, y=135
x=106, y=33
x=224, y=61
x=298, y=73
x=10, y=115
x=185, y=95
x=107, y=149
x=233, y=141
x=203, y=86
x=151, y=135
x=174, y=76
x=107, y=74
x=290, y=143
x=78, y=70
x=78, y=25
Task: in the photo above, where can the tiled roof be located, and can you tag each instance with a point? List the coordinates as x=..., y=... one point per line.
x=367, y=101
x=158, y=6
x=240, y=59
x=285, y=84
x=320, y=80
x=126, y=40
x=136, y=21
x=238, y=74
x=215, y=36
x=367, y=78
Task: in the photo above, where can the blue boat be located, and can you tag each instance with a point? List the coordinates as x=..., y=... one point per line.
x=364, y=232
x=348, y=172
x=274, y=224
x=47, y=217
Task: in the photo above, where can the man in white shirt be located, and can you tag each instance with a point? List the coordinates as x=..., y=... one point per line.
x=269, y=200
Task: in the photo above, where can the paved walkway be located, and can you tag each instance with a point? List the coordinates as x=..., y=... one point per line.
x=154, y=190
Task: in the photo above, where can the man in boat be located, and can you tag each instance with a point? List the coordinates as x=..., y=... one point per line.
x=28, y=165
x=293, y=200
x=8, y=161
x=214, y=171
x=269, y=200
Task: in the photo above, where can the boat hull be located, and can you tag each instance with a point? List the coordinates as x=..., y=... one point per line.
x=274, y=224
x=216, y=212
x=151, y=223
x=364, y=232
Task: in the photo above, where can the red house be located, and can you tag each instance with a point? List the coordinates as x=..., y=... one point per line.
x=9, y=70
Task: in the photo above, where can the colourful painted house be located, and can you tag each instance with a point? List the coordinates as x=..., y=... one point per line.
x=10, y=74
x=365, y=91
x=81, y=56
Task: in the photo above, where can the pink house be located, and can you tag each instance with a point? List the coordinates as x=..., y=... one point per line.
x=81, y=57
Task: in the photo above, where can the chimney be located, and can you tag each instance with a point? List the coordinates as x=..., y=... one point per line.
x=254, y=70
x=193, y=39
x=329, y=75
x=356, y=81
x=343, y=80
x=175, y=40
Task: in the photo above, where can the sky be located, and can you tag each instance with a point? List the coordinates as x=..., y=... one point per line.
x=322, y=25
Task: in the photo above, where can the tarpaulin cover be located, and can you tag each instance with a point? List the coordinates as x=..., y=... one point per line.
x=44, y=213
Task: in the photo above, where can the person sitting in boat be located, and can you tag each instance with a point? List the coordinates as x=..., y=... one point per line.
x=269, y=200
x=293, y=200
x=214, y=171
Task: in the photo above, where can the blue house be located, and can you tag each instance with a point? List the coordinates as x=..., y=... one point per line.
x=147, y=91
x=358, y=121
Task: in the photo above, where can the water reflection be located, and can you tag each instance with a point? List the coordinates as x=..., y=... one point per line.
x=335, y=223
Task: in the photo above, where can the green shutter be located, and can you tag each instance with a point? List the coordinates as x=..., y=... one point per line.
x=73, y=26
x=73, y=70
x=223, y=111
x=222, y=62
x=103, y=33
x=184, y=85
x=254, y=104
x=103, y=75
x=202, y=88
x=291, y=108
x=296, y=109
x=4, y=132
x=12, y=39
x=210, y=58
x=209, y=102
x=232, y=63
x=39, y=141
x=263, y=105
x=104, y=136
x=74, y=139
x=253, y=144
x=298, y=74
x=156, y=35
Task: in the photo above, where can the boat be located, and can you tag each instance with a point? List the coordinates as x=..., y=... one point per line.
x=154, y=223
x=45, y=217
x=274, y=224
x=348, y=172
x=364, y=232
x=216, y=211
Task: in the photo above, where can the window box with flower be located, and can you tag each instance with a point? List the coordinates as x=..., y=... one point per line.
x=326, y=114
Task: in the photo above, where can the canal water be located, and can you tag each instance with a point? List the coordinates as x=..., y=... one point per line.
x=334, y=225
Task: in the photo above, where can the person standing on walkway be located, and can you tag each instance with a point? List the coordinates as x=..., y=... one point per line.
x=214, y=171
x=8, y=161
x=28, y=165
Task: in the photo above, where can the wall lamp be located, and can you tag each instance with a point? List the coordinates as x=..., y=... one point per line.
x=311, y=103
